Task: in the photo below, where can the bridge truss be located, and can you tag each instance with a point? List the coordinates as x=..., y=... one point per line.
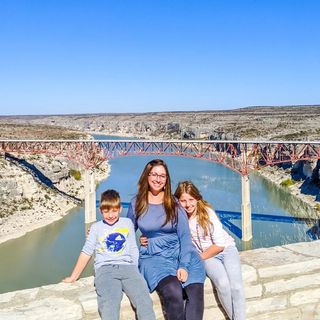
x=240, y=156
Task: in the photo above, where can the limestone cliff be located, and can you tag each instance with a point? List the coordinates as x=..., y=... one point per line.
x=29, y=200
x=26, y=204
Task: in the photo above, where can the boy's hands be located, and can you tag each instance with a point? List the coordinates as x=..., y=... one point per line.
x=78, y=268
x=69, y=280
x=144, y=241
x=182, y=275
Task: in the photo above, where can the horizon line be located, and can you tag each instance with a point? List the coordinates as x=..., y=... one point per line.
x=159, y=112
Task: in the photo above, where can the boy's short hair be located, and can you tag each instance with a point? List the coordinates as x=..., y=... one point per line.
x=110, y=199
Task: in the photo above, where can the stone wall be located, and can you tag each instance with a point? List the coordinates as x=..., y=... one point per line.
x=281, y=282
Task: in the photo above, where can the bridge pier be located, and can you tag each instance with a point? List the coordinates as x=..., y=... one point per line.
x=246, y=209
x=90, y=196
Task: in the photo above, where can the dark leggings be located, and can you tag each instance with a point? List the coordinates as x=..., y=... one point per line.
x=194, y=301
x=172, y=299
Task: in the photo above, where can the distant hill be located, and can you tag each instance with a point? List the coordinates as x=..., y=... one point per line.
x=255, y=123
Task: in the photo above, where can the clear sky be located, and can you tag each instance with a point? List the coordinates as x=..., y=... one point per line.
x=90, y=56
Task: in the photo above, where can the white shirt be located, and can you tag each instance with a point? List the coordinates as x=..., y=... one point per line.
x=216, y=235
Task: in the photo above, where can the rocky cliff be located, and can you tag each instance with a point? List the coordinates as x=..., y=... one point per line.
x=256, y=123
x=36, y=190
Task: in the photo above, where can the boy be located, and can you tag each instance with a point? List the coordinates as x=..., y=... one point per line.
x=116, y=262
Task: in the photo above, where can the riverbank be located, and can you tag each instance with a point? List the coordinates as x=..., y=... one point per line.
x=29, y=205
x=309, y=206
x=280, y=282
x=26, y=205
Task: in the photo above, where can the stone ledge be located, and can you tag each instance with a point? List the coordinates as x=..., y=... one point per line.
x=271, y=293
x=296, y=283
x=288, y=270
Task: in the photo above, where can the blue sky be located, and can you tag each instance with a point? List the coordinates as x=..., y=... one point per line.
x=92, y=56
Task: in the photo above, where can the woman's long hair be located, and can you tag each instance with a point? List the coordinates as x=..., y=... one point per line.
x=202, y=205
x=169, y=202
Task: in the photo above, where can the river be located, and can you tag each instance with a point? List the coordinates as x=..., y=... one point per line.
x=47, y=255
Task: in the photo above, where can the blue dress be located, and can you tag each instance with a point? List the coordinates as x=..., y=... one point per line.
x=169, y=246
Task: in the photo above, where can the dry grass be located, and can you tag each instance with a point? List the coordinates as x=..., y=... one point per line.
x=36, y=132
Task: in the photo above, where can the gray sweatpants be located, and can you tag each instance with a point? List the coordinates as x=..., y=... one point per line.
x=111, y=281
x=224, y=270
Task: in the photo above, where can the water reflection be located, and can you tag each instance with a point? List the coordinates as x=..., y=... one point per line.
x=297, y=227
x=314, y=231
x=286, y=200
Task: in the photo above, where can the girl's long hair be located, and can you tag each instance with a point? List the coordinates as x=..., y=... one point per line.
x=169, y=202
x=202, y=205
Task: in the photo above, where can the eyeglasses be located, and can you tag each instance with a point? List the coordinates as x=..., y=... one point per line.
x=155, y=175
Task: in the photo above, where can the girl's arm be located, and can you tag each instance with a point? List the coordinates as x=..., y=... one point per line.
x=218, y=237
x=211, y=252
x=78, y=268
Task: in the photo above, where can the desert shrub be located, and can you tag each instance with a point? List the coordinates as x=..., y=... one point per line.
x=76, y=174
x=287, y=182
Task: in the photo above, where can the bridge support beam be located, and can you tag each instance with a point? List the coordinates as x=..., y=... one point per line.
x=90, y=196
x=246, y=209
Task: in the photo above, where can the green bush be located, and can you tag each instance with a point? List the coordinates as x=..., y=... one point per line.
x=287, y=182
x=76, y=174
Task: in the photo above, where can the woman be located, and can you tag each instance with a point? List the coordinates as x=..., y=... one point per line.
x=217, y=249
x=169, y=261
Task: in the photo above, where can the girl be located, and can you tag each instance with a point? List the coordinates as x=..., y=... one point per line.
x=217, y=249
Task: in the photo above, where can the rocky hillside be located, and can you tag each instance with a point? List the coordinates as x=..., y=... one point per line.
x=255, y=123
x=26, y=204
x=38, y=189
x=24, y=130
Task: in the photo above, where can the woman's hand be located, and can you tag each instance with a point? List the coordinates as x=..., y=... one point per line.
x=182, y=275
x=144, y=241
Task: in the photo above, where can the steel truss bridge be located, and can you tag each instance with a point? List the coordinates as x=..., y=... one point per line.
x=242, y=157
